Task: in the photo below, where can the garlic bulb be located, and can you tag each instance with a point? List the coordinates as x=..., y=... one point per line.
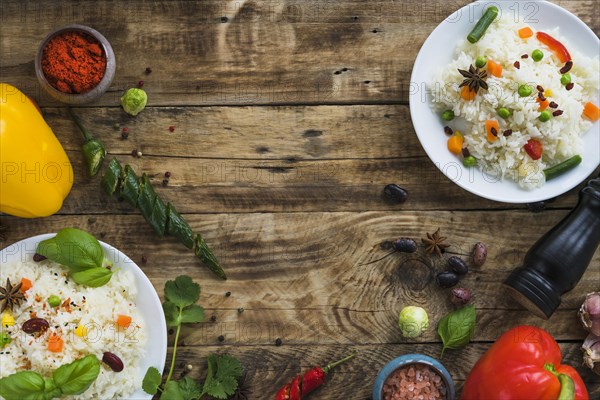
x=591, y=353
x=589, y=313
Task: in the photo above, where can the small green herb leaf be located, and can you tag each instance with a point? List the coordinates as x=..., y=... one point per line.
x=456, y=328
x=92, y=277
x=78, y=376
x=223, y=374
x=172, y=392
x=25, y=385
x=190, y=389
x=172, y=314
x=182, y=291
x=74, y=248
x=192, y=314
x=151, y=381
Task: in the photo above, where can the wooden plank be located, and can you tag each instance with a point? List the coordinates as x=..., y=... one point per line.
x=267, y=52
x=268, y=368
x=307, y=269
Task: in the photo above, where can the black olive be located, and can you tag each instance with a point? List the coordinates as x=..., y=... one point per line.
x=405, y=245
x=446, y=279
x=457, y=265
x=395, y=193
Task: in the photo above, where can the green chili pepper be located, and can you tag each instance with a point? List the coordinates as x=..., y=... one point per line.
x=93, y=151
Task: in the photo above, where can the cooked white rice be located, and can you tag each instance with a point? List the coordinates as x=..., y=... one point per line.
x=561, y=136
x=96, y=309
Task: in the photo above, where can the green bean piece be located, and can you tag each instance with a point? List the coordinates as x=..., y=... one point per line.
x=112, y=176
x=561, y=168
x=469, y=161
x=480, y=61
x=544, y=116
x=525, y=90
x=503, y=113
x=537, y=55
x=448, y=115
x=483, y=24
x=565, y=79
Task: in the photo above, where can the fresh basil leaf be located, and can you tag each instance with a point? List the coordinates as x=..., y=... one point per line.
x=25, y=385
x=182, y=291
x=51, y=391
x=151, y=381
x=456, y=328
x=192, y=314
x=78, y=376
x=92, y=277
x=172, y=315
x=190, y=389
x=172, y=392
x=74, y=248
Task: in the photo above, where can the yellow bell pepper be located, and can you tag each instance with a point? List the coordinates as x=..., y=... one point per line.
x=36, y=174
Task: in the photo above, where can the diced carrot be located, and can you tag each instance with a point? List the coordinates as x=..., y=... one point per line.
x=467, y=94
x=543, y=104
x=525, y=33
x=494, y=68
x=25, y=285
x=124, y=321
x=591, y=111
x=55, y=343
x=489, y=125
x=455, y=144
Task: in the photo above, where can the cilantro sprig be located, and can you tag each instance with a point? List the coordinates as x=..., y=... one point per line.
x=224, y=371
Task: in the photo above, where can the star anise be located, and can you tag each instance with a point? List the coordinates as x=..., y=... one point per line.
x=10, y=296
x=474, y=78
x=435, y=243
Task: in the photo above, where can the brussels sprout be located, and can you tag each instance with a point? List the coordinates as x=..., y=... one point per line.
x=413, y=321
x=134, y=100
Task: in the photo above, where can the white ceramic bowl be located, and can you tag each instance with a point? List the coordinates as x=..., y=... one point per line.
x=147, y=301
x=438, y=50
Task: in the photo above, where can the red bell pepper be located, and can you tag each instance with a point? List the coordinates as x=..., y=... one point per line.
x=559, y=50
x=524, y=363
x=534, y=148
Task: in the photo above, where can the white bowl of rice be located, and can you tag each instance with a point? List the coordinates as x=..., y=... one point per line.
x=85, y=320
x=505, y=169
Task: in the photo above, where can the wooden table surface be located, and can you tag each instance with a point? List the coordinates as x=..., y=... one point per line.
x=290, y=117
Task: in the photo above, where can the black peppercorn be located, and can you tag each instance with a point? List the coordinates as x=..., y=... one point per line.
x=395, y=193
x=278, y=342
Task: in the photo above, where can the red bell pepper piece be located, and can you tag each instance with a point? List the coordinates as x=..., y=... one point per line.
x=534, y=148
x=524, y=363
x=559, y=50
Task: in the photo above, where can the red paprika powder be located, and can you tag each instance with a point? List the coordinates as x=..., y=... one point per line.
x=73, y=62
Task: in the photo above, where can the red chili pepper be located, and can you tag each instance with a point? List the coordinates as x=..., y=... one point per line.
x=559, y=50
x=534, y=148
x=311, y=380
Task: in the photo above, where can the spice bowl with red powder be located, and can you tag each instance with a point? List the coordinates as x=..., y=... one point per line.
x=414, y=376
x=75, y=64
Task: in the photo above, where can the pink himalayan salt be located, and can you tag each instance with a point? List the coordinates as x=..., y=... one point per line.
x=414, y=382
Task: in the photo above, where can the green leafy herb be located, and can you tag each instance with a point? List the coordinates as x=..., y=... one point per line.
x=456, y=328
x=224, y=371
x=69, y=379
x=81, y=253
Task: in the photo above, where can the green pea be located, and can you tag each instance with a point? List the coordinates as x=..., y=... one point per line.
x=544, y=116
x=54, y=301
x=469, y=161
x=480, y=61
x=448, y=115
x=565, y=79
x=537, y=55
x=503, y=113
x=525, y=90
x=4, y=339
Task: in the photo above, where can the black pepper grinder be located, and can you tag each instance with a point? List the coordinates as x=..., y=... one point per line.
x=557, y=261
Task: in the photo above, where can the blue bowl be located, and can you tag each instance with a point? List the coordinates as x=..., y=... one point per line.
x=407, y=359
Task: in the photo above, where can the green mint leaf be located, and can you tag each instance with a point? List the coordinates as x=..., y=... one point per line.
x=456, y=328
x=192, y=314
x=182, y=291
x=92, y=277
x=25, y=385
x=78, y=376
x=172, y=315
x=190, y=389
x=223, y=374
x=172, y=392
x=151, y=381
x=74, y=248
